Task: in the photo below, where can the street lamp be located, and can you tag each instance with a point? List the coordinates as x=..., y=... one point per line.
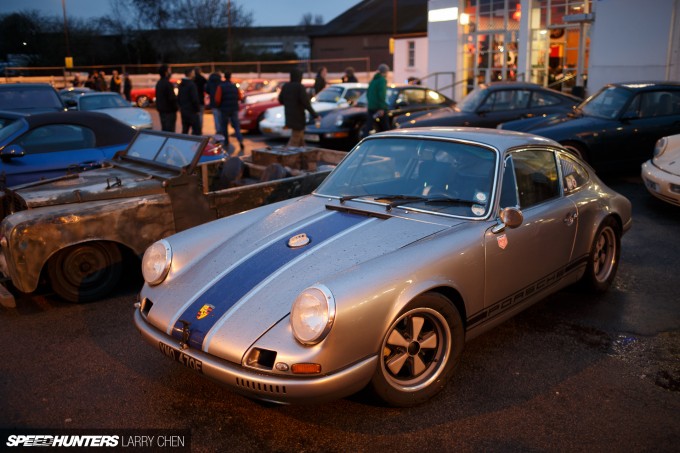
x=68, y=60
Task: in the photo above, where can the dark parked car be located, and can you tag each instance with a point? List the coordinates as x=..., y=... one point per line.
x=617, y=127
x=488, y=106
x=344, y=127
x=30, y=98
x=46, y=145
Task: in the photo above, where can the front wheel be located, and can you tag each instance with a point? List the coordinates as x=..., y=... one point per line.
x=603, y=260
x=85, y=272
x=143, y=101
x=419, y=352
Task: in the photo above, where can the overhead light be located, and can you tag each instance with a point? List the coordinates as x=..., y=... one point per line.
x=442, y=15
x=464, y=19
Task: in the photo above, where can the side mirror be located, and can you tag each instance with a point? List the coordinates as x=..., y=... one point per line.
x=509, y=218
x=71, y=104
x=11, y=151
x=629, y=116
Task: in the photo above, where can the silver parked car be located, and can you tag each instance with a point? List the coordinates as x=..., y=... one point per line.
x=418, y=241
x=113, y=104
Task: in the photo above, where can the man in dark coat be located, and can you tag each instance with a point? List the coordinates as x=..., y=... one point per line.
x=127, y=87
x=295, y=101
x=166, y=100
x=227, y=98
x=200, y=82
x=189, y=107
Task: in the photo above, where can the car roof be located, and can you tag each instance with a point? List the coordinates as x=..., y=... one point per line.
x=496, y=138
x=109, y=130
x=645, y=85
x=14, y=86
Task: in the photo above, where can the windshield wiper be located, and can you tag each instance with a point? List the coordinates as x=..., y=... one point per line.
x=437, y=200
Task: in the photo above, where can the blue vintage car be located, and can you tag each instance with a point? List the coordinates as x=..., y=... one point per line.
x=47, y=145
x=418, y=241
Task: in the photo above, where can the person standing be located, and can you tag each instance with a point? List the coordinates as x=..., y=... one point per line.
x=127, y=87
x=320, y=80
x=349, y=76
x=295, y=101
x=214, y=81
x=116, y=82
x=227, y=98
x=376, y=94
x=200, y=82
x=188, y=101
x=100, y=81
x=166, y=100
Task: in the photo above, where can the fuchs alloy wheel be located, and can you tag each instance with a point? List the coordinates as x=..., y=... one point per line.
x=419, y=351
x=85, y=272
x=603, y=260
x=143, y=101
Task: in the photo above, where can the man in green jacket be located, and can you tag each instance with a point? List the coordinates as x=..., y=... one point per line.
x=376, y=95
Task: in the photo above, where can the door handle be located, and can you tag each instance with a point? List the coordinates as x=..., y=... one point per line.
x=570, y=218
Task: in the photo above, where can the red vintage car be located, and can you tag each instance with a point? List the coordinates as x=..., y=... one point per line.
x=250, y=115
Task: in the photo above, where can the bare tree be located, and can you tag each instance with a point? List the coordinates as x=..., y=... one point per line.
x=309, y=19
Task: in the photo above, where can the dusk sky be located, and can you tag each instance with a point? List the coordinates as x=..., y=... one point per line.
x=265, y=12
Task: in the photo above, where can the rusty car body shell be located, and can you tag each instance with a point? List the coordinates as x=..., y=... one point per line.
x=132, y=203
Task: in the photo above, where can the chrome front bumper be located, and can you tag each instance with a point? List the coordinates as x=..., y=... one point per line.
x=278, y=389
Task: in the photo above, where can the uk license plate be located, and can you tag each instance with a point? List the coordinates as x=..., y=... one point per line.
x=312, y=137
x=181, y=357
x=267, y=130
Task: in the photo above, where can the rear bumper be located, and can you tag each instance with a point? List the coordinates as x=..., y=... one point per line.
x=268, y=387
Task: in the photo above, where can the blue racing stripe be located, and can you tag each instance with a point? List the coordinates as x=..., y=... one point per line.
x=239, y=281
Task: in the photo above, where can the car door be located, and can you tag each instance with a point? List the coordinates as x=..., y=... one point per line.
x=503, y=105
x=650, y=116
x=52, y=150
x=523, y=261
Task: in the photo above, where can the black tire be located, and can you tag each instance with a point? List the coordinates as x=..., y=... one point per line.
x=142, y=101
x=603, y=260
x=85, y=272
x=419, y=352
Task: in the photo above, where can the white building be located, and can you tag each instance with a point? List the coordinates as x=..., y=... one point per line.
x=577, y=45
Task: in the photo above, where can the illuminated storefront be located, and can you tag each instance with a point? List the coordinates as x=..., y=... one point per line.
x=551, y=42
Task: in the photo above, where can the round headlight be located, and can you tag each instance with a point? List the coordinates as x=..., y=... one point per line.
x=312, y=315
x=156, y=262
x=660, y=146
x=339, y=120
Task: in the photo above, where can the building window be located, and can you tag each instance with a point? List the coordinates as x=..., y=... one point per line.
x=411, y=54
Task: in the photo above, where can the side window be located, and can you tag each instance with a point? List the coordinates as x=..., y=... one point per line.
x=57, y=137
x=574, y=175
x=435, y=98
x=536, y=175
x=509, y=188
x=655, y=103
x=540, y=99
x=507, y=100
x=412, y=97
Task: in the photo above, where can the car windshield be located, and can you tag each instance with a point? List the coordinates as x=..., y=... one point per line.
x=98, y=102
x=608, y=103
x=436, y=176
x=473, y=100
x=330, y=94
x=176, y=152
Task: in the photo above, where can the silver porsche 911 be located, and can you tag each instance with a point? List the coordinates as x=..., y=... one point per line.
x=419, y=240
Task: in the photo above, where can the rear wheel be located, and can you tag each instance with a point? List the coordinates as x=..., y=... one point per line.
x=85, y=272
x=419, y=351
x=603, y=260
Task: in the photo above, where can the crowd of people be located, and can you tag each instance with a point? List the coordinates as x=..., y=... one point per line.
x=98, y=81
x=224, y=98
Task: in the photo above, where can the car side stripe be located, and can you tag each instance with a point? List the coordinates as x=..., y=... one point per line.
x=250, y=272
